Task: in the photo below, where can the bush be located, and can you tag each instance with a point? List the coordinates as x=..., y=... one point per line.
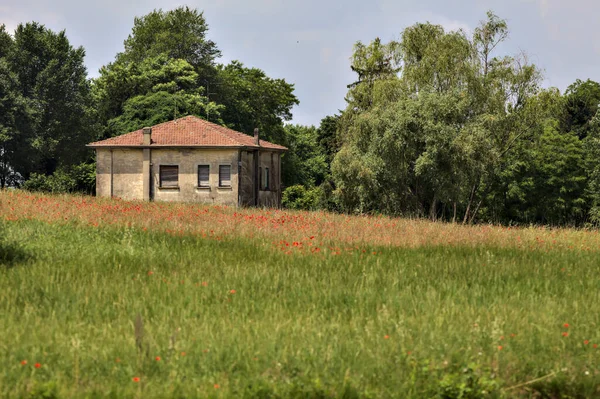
x=301, y=198
x=77, y=178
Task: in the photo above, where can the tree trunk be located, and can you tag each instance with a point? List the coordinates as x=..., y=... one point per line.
x=472, y=219
x=454, y=215
x=466, y=218
x=433, y=209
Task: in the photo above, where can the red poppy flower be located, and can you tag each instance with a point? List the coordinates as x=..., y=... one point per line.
x=595, y=346
x=204, y=283
x=586, y=342
x=386, y=337
x=232, y=291
x=565, y=334
x=566, y=325
x=217, y=386
x=136, y=379
x=150, y=273
x=157, y=358
x=37, y=365
x=182, y=353
x=499, y=347
x=23, y=362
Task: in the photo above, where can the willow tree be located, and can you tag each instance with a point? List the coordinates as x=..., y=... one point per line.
x=429, y=120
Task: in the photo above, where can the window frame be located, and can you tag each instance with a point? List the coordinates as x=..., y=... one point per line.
x=160, y=176
x=230, y=176
x=199, y=185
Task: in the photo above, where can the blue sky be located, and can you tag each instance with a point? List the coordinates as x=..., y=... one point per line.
x=309, y=42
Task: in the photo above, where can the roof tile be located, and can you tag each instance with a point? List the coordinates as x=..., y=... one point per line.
x=188, y=131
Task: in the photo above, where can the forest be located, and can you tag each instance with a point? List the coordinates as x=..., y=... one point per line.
x=437, y=124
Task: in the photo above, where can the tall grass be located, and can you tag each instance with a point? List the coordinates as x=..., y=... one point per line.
x=116, y=310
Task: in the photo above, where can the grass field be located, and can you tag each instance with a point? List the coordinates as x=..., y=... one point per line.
x=111, y=298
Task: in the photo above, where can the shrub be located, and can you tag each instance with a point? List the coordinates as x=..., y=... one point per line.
x=77, y=178
x=299, y=197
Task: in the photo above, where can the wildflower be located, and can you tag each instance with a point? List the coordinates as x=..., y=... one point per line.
x=157, y=358
x=150, y=273
x=217, y=386
x=586, y=342
x=37, y=365
x=136, y=379
x=595, y=346
x=386, y=337
x=232, y=291
x=499, y=347
x=23, y=362
x=205, y=283
x=118, y=360
x=182, y=353
x=566, y=325
x=565, y=334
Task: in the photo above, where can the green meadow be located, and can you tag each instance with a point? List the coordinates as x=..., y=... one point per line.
x=123, y=312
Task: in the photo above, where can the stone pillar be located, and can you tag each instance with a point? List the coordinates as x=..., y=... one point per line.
x=147, y=164
x=146, y=175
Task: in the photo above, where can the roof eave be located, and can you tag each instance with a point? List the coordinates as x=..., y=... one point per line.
x=244, y=147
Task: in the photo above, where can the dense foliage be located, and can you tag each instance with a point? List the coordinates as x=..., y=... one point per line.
x=438, y=124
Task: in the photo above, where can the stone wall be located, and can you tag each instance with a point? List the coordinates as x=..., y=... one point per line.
x=127, y=172
x=188, y=161
x=247, y=179
x=270, y=197
x=128, y=175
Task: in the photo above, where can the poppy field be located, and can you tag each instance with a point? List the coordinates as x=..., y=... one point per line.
x=128, y=299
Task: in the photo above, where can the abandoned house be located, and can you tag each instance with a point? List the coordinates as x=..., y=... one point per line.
x=190, y=159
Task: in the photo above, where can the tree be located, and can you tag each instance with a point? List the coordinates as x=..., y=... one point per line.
x=179, y=33
x=51, y=75
x=164, y=44
x=254, y=100
x=16, y=117
x=426, y=133
x=304, y=163
x=327, y=137
x=582, y=102
x=155, y=90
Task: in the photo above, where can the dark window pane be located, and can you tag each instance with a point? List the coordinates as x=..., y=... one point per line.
x=267, y=179
x=169, y=175
x=203, y=175
x=224, y=175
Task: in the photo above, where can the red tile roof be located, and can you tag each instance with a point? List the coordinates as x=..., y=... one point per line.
x=189, y=131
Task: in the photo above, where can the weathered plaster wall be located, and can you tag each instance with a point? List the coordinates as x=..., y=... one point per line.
x=188, y=161
x=270, y=197
x=126, y=173
x=103, y=172
x=247, y=182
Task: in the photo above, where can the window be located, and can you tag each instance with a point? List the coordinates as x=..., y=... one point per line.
x=224, y=175
x=203, y=176
x=169, y=176
x=260, y=178
x=266, y=179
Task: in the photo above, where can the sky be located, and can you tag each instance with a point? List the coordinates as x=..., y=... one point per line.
x=309, y=42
